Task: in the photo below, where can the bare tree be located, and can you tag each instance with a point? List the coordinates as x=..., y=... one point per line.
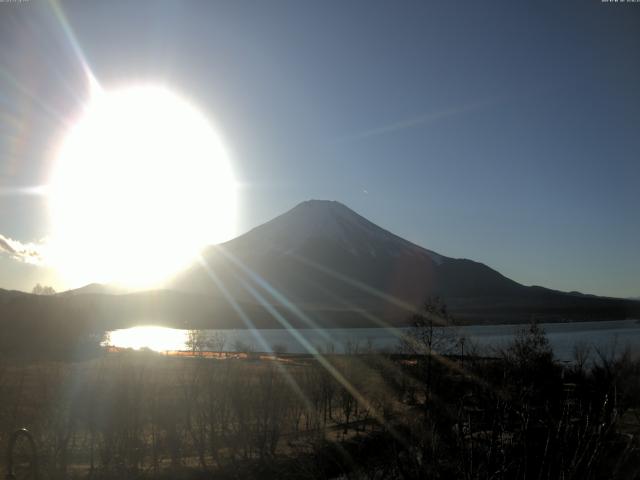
x=216, y=341
x=431, y=333
x=196, y=341
x=581, y=354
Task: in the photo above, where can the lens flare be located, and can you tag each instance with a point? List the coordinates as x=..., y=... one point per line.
x=141, y=183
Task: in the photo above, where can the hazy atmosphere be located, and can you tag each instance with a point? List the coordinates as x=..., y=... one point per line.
x=501, y=132
x=330, y=240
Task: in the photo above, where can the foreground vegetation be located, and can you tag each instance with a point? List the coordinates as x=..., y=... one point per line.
x=369, y=415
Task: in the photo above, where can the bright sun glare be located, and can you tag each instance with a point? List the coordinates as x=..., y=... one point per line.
x=141, y=184
x=159, y=339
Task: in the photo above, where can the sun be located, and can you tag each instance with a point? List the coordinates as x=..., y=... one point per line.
x=140, y=184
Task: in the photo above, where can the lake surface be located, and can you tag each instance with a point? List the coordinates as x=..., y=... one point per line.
x=563, y=337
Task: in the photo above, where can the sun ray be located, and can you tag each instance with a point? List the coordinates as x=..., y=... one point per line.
x=273, y=292
x=250, y=325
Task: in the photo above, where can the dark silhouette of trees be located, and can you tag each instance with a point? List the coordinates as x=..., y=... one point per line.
x=43, y=290
x=431, y=333
x=518, y=414
x=196, y=341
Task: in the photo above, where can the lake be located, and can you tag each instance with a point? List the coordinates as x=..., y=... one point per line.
x=604, y=335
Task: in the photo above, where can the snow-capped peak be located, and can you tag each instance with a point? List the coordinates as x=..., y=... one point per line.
x=331, y=220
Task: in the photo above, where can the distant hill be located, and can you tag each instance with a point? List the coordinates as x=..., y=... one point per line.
x=97, y=288
x=8, y=294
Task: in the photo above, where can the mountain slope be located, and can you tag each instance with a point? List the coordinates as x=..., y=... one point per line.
x=96, y=288
x=324, y=258
x=320, y=264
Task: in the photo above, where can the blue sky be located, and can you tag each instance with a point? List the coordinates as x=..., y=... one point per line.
x=505, y=132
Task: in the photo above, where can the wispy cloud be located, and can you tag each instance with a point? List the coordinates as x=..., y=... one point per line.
x=34, y=190
x=24, y=252
x=419, y=120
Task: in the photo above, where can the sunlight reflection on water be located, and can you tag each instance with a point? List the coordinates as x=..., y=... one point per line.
x=562, y=337
x=159, y=339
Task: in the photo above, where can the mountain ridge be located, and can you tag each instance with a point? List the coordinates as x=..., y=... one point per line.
x=320, y=264
x=321, y=252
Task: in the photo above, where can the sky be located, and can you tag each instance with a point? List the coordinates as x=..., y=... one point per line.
x=504, y=132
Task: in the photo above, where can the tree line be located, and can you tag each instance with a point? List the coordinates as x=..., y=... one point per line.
x=435, y=408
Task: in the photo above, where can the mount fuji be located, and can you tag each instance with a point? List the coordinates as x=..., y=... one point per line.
x=322, y=257
x=318, y=265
